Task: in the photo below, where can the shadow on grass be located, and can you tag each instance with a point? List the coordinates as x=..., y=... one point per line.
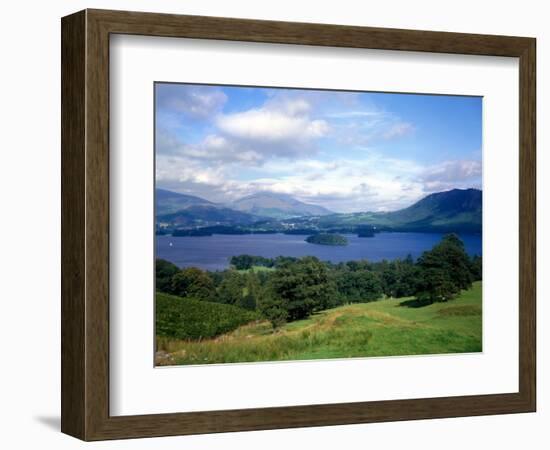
x=416, y=303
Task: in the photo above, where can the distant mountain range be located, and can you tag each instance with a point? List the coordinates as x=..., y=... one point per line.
x=181, y=210
x=277, y=206
x=458, y=210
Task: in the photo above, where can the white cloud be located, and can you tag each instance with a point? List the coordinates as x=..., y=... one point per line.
x=398, y=129
x=343, y=185
x=376, y=183
x=213, y=148
x=181, y=169
x=271, y=126
x=452, y=174
x=280, y=120
x=365, y=128
x=449, y=171
x=453, y=171
x=354, y=114
x=282, y=128
x=193, y=101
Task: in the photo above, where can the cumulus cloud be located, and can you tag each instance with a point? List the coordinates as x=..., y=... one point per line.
x=368, y=127
x=183, y=170
x=450, y=174
x=191, y=101
x=271, y=126
x=354, y=114
x=453, y=171
x=376, y=183
x=398, y=129
x=281, y=128
x=343, y=186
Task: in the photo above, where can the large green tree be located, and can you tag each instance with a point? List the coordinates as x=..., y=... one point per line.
x=446, y=270
x=358, y=286
x=273, y=308
x=252, y=292
x=406, y=277
x=476, y=267
x=231, y=288
x=303, y=287
x=164, y=271
x=193, y=282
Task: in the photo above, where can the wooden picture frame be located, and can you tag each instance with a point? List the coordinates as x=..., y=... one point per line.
x=85, y=224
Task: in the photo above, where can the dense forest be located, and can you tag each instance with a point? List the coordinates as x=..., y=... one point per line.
x=286, y=289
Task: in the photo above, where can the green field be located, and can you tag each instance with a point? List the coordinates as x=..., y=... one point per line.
x=382, y=328
x=257, y=269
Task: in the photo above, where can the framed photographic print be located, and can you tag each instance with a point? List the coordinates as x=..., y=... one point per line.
x=272, y=225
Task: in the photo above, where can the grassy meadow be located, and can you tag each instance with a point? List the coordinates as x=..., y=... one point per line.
x=387, y=327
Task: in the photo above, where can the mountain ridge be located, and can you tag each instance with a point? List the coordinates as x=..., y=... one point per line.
x=455, y=210
x=276, y=205
x=167, y=202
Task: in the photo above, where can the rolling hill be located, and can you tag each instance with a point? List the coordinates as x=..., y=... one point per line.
x=277, y=206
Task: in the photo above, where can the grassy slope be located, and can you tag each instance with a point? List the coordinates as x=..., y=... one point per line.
x=380, y=328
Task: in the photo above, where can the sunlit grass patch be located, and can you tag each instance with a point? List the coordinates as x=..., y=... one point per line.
x=463, y=310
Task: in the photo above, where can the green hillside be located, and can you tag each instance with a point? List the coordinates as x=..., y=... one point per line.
x=458, y=210
x=384, y=328
x=441, y=210
x=186, y=318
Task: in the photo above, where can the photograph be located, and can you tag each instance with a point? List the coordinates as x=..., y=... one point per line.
x=296, y=224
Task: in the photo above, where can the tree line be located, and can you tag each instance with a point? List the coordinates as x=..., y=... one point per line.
x=294, y=288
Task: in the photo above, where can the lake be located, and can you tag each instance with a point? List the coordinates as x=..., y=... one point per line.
x=213, y=252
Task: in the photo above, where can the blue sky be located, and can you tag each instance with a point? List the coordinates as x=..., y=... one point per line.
x=346, y=151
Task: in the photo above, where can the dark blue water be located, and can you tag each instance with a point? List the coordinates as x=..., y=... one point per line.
x=213, y=252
